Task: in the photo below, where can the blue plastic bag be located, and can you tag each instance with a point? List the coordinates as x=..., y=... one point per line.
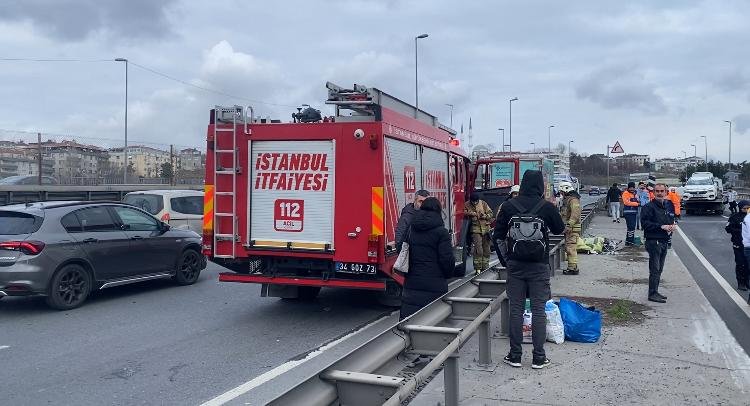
x=581, y=324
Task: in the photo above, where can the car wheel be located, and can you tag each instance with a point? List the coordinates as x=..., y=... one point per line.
x=188, y=269
x=69, y=287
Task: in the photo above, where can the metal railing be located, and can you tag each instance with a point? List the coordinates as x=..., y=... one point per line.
x=376, y=373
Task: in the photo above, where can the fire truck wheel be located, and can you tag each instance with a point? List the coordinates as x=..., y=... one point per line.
x=308, y=292
x=391, y=296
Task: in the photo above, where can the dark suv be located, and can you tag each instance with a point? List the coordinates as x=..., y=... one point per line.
x=64, y=250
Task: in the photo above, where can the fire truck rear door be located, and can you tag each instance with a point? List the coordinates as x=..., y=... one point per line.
x=291, y=194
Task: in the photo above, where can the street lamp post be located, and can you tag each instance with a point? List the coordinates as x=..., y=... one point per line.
x=549, y=139
x=705, y=141
x=502, y=146
x=730, y=143
x=451, y=106
x=533, y=147
x=695, y=150
x=125, y=150
x=416, y=72
x=510, y=123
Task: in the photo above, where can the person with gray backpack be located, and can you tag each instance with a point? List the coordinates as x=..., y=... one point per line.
x=524, y=224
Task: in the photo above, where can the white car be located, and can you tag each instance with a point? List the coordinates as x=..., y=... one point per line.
x=179, y=208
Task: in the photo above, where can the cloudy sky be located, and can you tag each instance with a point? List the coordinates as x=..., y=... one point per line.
x=654, y=75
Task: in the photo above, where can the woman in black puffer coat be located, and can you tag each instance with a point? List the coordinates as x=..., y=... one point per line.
x=431, y=260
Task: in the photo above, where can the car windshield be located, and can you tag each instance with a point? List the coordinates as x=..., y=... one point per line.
x=14, y=223
x=700, y=181
x=150, y=203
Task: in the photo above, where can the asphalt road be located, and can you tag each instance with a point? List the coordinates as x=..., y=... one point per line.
x=156, y=343
x=708, y=236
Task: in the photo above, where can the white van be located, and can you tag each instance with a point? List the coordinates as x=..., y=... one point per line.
x=178, y=208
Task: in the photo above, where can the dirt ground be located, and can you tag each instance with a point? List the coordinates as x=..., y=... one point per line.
x=615, y=312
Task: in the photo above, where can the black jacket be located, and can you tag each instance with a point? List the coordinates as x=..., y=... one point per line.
x=431, y=262
x=654, y=215
x=532, y=191
x=402, y=227
x=734, y=227
x=613, y=194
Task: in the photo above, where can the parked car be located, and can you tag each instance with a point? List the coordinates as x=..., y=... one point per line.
x=65, y=250
x=178, y=208
x=594, y=191
x=27, y=180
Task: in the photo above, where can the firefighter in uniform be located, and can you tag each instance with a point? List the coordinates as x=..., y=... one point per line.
x=480, y=214
x=571, y=215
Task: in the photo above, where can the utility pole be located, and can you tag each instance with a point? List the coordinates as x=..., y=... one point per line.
x=608, y=148
x=39, y=156
x=171, y=164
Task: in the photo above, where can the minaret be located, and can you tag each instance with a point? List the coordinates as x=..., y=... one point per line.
x=471, y=138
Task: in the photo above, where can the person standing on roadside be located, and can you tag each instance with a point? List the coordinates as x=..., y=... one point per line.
x=480, y=214
x=734, y=227
x=431, y=260
x=631, y=202
x=643, y=199
x=407, y=215
x=571, y=215
x=733, y=201
x=658, y=225
x=613, y=199
x=528, y=263
x=746, y=236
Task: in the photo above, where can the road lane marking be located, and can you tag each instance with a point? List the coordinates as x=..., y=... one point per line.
x=726, y=217
x=2, y=347
x=269, y=375
x=738, y=300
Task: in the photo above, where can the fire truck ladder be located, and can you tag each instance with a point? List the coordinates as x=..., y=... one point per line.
x=234, y=116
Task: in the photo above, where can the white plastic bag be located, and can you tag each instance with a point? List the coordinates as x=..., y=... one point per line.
x=555, y=327
x=402, y=262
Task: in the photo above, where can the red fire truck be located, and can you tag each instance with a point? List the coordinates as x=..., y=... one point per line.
x=314, y=202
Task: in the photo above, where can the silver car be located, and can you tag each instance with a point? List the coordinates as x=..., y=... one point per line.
x=64, y=250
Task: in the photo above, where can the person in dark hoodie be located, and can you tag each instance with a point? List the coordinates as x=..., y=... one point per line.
x=531, y=275
x=407, y=215
x=734, y=227
x=431, y=260
x=658, y=225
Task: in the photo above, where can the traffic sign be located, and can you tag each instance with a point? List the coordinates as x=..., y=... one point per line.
x=617, y=149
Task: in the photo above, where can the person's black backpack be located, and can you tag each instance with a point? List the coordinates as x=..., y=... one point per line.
x=527, y=234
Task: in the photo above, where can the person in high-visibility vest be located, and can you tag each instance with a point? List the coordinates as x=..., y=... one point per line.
x=631, y=202
x=571, y=215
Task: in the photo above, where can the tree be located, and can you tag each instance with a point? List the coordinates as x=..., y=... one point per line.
x=166, y=170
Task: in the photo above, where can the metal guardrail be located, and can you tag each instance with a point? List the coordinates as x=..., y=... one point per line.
x=12, y=194
x=375, y=374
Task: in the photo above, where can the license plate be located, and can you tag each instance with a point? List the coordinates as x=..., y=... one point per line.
x=350, y=267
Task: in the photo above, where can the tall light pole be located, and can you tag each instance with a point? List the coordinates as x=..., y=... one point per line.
x=730, y=143
x=502, y=146
x=451, y=106
x=570, y=165
x=533, y=147
x=416, y=72
x=705, y=140
x=549, y=139
x=125, y=150
x=695, y=150
x=510, y=123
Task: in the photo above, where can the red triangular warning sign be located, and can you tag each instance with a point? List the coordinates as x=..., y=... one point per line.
x=617, y=149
